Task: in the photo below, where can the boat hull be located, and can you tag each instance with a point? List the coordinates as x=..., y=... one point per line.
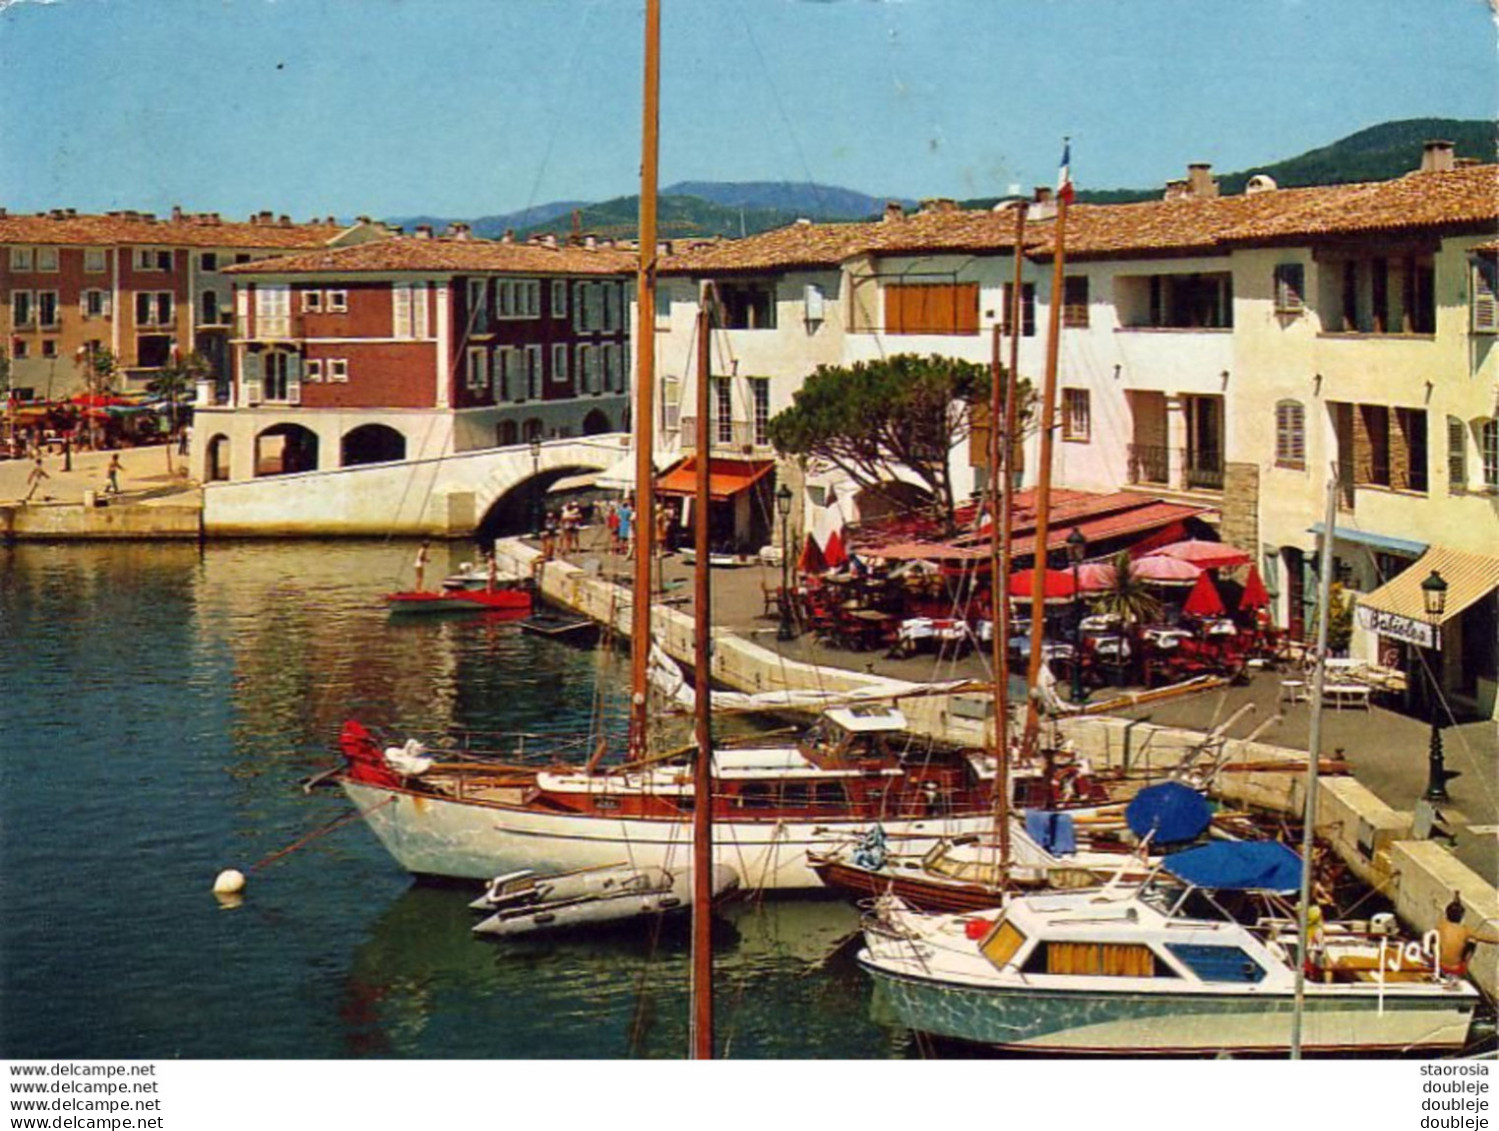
x=435, y=836
x=1033, y=1018
x=461, y=601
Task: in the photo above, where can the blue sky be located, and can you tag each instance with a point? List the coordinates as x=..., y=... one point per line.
x=470, y=107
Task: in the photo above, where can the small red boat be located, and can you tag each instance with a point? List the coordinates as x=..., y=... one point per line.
x=504, y=599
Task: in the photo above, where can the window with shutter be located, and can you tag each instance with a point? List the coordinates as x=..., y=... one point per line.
x=1290, y=435
x=1077, y=415
x=1290, y=286
x=1485, y=303
x=400, y=305
x=559, y=363
x=533, y=372
x=1488, y=451
x=1075, y=302
x=1457, y=456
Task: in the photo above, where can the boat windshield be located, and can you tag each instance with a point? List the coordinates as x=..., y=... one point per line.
x=1176, y=900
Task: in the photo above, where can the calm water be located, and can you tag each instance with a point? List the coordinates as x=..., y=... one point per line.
x=160, y=707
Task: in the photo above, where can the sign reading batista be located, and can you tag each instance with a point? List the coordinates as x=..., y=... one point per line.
x=1407, y=629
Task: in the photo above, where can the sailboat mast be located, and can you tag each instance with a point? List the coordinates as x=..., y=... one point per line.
x=1313, y=755
x=1001, y=484
x=702, y=629
x=645, y=385
x=1043, y=477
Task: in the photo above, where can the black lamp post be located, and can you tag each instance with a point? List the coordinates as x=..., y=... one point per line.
x=1077, y=546
x=1434, y=592
x=786, y=631
x=535, y=492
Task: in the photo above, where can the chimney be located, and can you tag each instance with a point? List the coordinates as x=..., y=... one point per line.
x=267, y=217
x=1458, y=163
x=509, y=236
x=149, y=217
x=549, y=240
x=1043, y=194
x=1437, y=157
x=1177, y=190
x=1200, y=181
x=1260, y=182
x=591, y=242
x=4, y=213
x=459, y=231
x=285, y=221
x=423, y=231
x=176, y=213
x=893, y=211
x=939, y=204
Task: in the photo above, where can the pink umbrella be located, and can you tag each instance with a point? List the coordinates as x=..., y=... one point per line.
x=1205, y=555
x=1056, y=586
x=1092, y=577
x=1255, y=595
x=1204, y=600
x=1162, y=570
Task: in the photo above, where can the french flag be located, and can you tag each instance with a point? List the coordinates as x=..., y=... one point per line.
x=1064, y=175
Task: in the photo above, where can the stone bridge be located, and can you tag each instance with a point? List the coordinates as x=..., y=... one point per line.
x=445, y=496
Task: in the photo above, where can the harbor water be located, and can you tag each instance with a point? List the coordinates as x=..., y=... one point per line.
x=160, y=706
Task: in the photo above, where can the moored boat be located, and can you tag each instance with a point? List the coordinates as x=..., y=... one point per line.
x=504, y=599
x=528, y=902
x=468, y=818
x=1163, y=967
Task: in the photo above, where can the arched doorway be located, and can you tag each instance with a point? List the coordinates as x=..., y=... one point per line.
x=596, y=423
x=285, y=449
x=535, y=429
x=507, y=434
x=216, y=460
x=372, y=443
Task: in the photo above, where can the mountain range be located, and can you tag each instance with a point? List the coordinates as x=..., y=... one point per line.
x=730, y=208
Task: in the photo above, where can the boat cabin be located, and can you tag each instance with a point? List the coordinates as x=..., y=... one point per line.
x=856, y=735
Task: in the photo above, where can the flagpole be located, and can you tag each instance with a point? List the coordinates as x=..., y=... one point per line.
x=1043, y=478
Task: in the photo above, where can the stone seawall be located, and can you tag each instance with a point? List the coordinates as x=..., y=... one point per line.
x=62, y=522
x=1374, y=840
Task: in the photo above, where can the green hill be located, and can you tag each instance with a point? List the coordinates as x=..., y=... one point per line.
x=1379, y=153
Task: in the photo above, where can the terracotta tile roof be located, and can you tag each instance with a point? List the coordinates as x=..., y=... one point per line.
x=190, y=231
x=1461, y=198
x=408, y=253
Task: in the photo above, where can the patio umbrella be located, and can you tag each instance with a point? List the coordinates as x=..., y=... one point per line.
x=811, y=560
x=1204, y=600
x=1159, y=569
x=1094, y=577
x=833, y=553
x=1056, y=586
x=1256, y=596
x=1206, y=555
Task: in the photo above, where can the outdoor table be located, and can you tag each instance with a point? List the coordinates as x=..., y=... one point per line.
x=1111, y=647
x=1166, y=637
x=1099, y=623
x=941, y=631
x=1340, y=695
x=1219, y=628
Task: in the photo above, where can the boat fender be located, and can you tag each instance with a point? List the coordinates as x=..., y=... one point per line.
x=542, y=918
x=667, y=902
x=976, y=929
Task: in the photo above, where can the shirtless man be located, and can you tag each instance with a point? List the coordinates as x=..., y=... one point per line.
x=1454, y=940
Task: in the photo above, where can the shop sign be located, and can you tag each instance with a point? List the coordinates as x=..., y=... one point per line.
x=1406, y=629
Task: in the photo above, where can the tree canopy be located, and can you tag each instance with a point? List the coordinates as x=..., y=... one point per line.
x=871, y=418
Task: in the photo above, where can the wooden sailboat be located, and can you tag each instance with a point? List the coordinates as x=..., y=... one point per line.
x=466, y=816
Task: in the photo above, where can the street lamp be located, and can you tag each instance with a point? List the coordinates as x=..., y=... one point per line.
x=786, y=631
x=1077, y=546
x=1434, y=593
x=535, y=493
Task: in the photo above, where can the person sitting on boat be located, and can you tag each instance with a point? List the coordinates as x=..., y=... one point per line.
x=1456, y=941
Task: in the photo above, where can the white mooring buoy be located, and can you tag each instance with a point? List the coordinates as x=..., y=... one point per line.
x=231, y=881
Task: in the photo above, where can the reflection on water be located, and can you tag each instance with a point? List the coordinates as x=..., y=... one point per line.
x=161, y=706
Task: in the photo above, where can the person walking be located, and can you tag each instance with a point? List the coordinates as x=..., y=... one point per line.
x=113, y=471
x=627, y=528
x=34, y=479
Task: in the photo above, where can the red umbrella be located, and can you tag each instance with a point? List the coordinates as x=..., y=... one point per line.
x=833, y=553
x=1056, y=586
x=1204, y=600
x=1162, y=570
x=1092, y=577
x=1255, y=596
x=1206, y=555
x=811, y=560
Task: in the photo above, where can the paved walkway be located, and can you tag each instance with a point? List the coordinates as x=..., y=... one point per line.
x=146, y=477
x=1388, y=749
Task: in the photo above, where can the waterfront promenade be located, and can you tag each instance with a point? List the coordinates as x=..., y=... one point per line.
x=145, y=478
x=1386, y=748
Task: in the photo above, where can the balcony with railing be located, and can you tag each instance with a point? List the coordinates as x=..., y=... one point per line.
x=1182, y=469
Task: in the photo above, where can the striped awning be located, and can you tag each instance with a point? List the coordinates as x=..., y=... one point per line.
x=1398, y=607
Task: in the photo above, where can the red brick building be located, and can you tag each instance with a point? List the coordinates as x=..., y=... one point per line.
x=418, y=347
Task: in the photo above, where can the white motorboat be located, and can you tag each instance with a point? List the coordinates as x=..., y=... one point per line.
x=527, y=902
x=1161, y=967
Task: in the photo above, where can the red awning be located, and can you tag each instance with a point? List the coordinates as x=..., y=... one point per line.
x=1151, y=516
x=1206, y=555
x=1056, y=585
x=726, y=477
x=925, y=551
